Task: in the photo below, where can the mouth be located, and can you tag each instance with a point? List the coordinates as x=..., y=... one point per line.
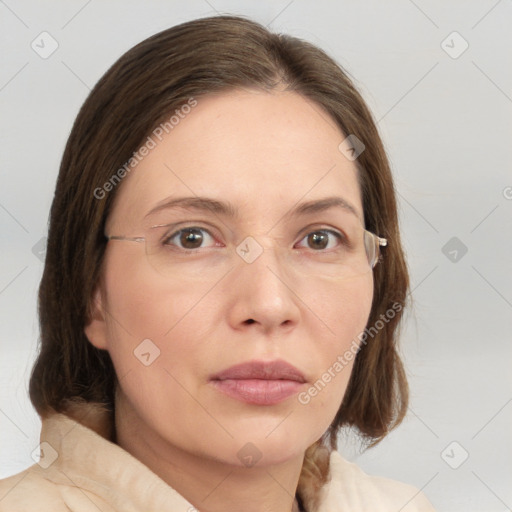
x=260, y=382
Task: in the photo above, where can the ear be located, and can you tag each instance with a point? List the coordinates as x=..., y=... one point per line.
x=96, y=327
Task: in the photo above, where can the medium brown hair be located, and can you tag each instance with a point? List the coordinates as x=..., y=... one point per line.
x=144, y=86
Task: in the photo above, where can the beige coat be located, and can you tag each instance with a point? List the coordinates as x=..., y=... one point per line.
x=82, y=471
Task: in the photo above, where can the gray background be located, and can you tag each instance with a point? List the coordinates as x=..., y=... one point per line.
x=445, y=120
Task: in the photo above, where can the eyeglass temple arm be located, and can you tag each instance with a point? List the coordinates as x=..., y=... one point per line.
x=131, y=239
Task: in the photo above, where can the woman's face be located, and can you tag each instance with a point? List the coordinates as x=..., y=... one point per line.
x=212, y=298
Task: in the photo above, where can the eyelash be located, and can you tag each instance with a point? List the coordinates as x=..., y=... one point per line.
x=341, y=238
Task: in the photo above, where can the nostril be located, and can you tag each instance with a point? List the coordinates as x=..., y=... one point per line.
x=250, y=321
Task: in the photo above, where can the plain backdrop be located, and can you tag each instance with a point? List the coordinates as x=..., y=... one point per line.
x=438, y=78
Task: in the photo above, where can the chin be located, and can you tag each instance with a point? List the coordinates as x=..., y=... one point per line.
x=261, y=451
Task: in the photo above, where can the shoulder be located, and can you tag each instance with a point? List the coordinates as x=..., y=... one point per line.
x=29, y=491
x=352, y=488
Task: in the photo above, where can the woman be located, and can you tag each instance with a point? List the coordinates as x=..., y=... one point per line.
x=215, y=304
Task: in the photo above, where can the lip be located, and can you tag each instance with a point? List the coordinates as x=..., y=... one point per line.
x=260, y=382
x=267, y=370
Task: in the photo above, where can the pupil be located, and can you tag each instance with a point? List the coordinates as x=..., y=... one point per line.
x=319, y=237
x=191, y=239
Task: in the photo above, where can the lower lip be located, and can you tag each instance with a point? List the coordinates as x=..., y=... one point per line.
x=258, y=391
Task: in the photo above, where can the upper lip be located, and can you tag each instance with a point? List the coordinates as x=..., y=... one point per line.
x=266, y=370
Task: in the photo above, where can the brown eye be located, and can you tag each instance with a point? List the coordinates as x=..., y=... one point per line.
x=191, y=238
x=323, y=239
x=318, y=240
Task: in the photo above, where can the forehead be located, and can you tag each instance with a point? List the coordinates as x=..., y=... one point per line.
x=263, y=152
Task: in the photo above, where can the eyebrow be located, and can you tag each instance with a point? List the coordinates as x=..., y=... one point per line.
x=227, y=209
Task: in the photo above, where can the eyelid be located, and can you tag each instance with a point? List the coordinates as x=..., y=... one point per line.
x=321, y=227
x=173, y=228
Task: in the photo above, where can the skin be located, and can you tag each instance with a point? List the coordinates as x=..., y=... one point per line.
x=264, y=152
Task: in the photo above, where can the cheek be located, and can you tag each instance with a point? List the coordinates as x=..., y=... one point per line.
x=141, y=303
x=155, y=328
x=149, y=336
x=345, y=309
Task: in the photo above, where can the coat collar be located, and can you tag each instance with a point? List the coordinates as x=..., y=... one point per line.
x=87, y=458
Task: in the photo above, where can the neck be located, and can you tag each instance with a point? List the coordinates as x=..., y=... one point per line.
x=210, y=484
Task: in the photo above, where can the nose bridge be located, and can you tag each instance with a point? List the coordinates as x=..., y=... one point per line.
x=262, y=260
x=263, y=285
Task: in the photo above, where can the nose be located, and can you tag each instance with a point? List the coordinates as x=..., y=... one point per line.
x=262, y=296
